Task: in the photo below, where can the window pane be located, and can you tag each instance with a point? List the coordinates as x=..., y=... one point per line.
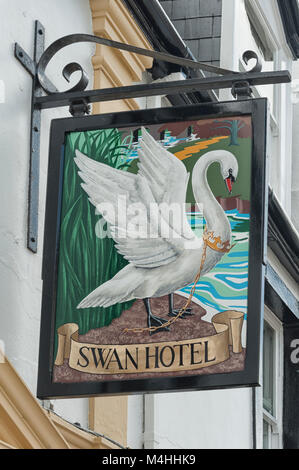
x=258, y=33
x=268, y=369
x=265, y=435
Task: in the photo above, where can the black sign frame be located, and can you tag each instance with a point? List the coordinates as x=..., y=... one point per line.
x=250, y=376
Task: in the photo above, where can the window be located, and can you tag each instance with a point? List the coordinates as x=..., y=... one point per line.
x=272, y=383
x=258, y=33
x=268, y=368
x=259, y=38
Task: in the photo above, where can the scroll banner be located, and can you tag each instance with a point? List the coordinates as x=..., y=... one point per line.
x=172, y=356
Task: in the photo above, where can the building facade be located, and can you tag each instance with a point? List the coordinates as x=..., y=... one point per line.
x=215, y=32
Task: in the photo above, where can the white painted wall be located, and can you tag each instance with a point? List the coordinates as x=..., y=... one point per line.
x=199, y=420
x=20, y=270
x=135, y=430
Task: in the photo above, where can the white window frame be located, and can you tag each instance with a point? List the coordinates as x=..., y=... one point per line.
x=275, y=421
x=281, y=109
x=272, y=44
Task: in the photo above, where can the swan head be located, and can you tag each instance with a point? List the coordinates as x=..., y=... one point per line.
x=228, y=168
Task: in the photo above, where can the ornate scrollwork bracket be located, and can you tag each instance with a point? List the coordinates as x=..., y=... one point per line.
x=242, y=89
x=40, y=67
x=78, y=98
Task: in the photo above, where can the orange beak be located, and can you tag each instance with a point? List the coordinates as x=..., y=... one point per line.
x=229, y=183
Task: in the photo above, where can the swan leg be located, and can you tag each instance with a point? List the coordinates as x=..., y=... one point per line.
x=153, y=320
x=173, y=312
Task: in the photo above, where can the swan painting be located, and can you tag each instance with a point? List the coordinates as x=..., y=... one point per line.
x=167, y=255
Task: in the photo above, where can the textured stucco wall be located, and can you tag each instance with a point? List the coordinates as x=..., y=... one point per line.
x=20, y=270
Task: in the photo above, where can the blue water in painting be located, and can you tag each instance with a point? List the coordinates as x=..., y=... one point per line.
x=225, y=287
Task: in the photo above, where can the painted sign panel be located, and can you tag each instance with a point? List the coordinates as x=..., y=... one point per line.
x=158, y=244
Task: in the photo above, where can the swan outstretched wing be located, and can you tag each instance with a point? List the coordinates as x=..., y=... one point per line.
x=168, y=180
x=165, y=173
x=137, y=206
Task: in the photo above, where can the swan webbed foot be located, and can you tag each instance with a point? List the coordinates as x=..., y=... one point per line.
x=153, y=320
x=174, y=312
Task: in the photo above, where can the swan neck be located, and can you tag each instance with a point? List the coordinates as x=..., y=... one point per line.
x=213, y=213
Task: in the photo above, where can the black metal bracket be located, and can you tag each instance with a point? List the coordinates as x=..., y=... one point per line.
x=33, y=192
x=241, y=90
x=78, y=99
x=79, y=108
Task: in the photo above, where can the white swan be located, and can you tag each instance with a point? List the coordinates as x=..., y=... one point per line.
x=161, y=265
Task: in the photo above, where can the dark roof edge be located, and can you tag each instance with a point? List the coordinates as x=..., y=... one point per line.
x=289, y=11
x=283, y=238
x=163, y=36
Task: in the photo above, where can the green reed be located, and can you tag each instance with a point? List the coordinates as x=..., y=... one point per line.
x=85, y=260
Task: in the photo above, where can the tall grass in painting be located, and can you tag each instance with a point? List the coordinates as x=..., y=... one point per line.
x=85, y=260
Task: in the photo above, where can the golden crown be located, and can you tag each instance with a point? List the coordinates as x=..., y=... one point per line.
x=215, y=243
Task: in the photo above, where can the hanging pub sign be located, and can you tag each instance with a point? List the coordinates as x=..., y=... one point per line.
x=154, y=251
